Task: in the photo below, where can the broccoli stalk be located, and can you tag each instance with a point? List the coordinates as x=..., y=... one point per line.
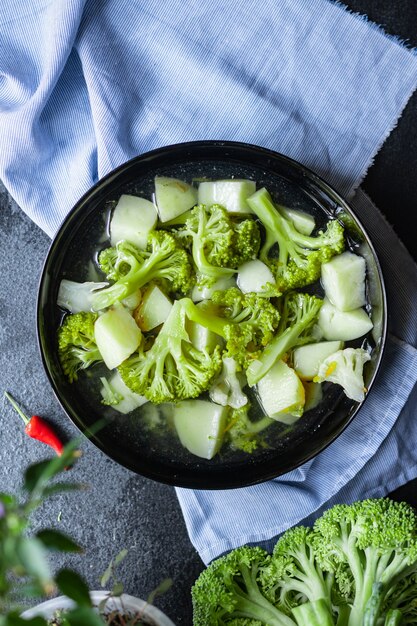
x=372, y=548
x=77, y=348
x=172, y=369
x=243, y=433
x=111, y=397
x=300, y=257
x=246, y=321
x=218, y=244
x=165, y=259
x=394, y=617
x=229, y=592
x=295, y=582
x=298, y=314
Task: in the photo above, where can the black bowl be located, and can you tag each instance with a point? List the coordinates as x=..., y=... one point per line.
x=122, y=439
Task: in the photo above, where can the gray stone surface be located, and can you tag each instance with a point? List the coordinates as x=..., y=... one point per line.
x=119, y=509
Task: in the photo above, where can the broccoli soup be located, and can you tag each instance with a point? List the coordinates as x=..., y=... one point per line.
x=212, y=314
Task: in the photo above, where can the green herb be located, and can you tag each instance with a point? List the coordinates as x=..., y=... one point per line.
x=24, y=565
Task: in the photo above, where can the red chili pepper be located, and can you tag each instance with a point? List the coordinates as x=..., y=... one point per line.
x=37, y=428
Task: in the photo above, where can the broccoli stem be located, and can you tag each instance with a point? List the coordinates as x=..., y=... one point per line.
x=277, y=347
x=394, y=617
x=373, y=606
x=204, y=266
x=255, y=606
x=277, y=225
x=136, y=278
x=214, y=323
x=343, y=615
x=314, y=613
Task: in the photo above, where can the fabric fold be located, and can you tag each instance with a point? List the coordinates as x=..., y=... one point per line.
x=118, y=78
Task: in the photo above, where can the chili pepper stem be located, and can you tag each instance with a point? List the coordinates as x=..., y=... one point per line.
x=17, y=408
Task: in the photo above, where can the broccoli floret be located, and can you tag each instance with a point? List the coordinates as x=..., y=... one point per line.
x=165, y=259
x=111, y=397
x=246, y=321
x=295, y=582
x=371, y=546
x=226, y=389
x=345, y=368
x=243, y=433
x=229, y=592
x=300, y=257
x=172, y=369
x=244, y=246
x=77, y=348
x=115, y=262
x=218, y=244
x=298, y=314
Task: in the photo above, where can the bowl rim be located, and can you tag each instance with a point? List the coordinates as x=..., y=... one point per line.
x=131, y=603
x=217, y=481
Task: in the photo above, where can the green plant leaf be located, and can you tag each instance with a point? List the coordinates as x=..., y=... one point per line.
x=56, y=540
x=83, y=616
x=32, y=556
x=72, y=585
x=62, y=488
x=8, y=499
x=39, y=474
x=119, y=557
x=160, y=589
x=107, y=574
x=117, y=590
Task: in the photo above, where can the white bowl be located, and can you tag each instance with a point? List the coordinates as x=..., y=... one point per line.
x=130, y=605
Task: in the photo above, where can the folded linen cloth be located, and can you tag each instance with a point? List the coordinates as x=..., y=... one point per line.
x=86, y=85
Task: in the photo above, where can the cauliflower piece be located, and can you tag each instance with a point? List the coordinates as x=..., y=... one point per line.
x=345, y=368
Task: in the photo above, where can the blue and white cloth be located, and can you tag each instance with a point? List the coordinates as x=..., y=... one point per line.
x=87, y=84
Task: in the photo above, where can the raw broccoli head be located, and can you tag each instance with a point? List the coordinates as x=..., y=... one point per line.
x=77, y=348
x=293, y=576
x=172, y=369
x=373, y=542
x=164, y=259
x=219, y=245
x=228, y=592
x=371, y=546
x=300, y=257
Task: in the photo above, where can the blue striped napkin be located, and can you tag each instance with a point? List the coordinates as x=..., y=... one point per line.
x=86, y=85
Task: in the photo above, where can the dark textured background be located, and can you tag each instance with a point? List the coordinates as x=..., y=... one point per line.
x=120, y=509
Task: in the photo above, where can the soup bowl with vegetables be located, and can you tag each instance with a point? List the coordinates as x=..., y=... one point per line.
x=218, y=309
